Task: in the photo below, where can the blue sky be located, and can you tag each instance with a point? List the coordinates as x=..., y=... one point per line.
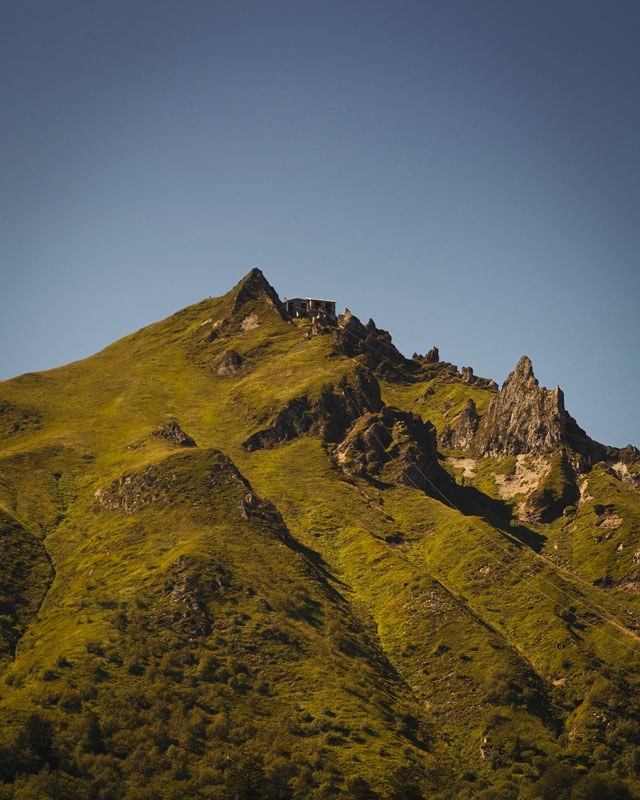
x=466, y=173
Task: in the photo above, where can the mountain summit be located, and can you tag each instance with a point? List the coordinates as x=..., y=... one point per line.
x=247, y=555
x=526, y=418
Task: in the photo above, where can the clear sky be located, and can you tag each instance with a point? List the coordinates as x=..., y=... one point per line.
x=467, y=173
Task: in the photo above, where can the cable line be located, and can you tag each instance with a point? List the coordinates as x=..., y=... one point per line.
x=556, y=588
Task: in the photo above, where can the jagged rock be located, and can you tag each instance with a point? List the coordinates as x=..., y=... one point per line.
x=443, y=370
x=527, y=418
x=433, y=356
x=321, y=325
x=330, y=414
x=252, y=286
x=174, y=434
x=467, y=376
x=373, y=345
x=228, y=363
x=393, y=445
x=239, y=312
x=629, y=455
x=461, y=435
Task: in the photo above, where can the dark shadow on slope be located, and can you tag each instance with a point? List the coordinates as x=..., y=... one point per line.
x=532, y=539
x=472, y=502
x=314, y=558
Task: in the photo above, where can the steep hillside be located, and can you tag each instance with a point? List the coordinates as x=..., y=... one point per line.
x=247, y=556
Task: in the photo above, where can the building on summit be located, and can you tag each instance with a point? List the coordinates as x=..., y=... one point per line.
x=310, y=307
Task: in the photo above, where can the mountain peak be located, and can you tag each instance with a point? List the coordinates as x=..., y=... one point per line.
x=255, y=281
x=254, y=276
x=523, y=373
x=525, y=417
x=253, y=286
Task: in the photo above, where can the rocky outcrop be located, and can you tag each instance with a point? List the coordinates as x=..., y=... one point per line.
x=371, y=344
x=629, y=455
x=190, y=586
x=243, y=310
x=393, y=446
x=527, y=418
x=433, y=356
x=174, y=434
x=556, y=490
x=132, y=492
x=255, y=286
x=330, y=414
x=460, y=436
x=228, y=363
x=466, y=373
x=173, y=480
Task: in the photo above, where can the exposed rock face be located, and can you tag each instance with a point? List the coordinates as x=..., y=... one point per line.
x=189, y=592
x=372, y=344
x=130, y=493
x=467, y=376
x=629, y=455
x=391, y=445
x=461, y=435
x=171, y=481
x=228, y=363
x=527, y=418
x=433, y=356
x=239, y=312
x=555, y=490
x=252, y=286
x=174, y=434
x=330, y=414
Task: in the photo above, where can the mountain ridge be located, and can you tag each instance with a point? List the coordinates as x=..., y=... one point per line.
x=345, y=570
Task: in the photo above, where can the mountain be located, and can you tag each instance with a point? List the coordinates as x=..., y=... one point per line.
x=252, y=556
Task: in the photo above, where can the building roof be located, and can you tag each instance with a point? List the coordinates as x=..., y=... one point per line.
x=321, y=299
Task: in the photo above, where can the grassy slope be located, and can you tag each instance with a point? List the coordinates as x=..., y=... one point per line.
x=432, y=661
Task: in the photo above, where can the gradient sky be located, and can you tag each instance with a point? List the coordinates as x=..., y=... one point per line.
x=466, y=173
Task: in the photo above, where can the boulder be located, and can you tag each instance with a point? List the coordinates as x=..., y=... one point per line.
x=228, y=363
x=174, y=434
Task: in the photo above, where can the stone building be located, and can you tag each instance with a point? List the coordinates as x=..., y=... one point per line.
x=310, y=307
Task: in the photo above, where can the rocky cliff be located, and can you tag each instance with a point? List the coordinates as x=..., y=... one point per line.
x=527, y=418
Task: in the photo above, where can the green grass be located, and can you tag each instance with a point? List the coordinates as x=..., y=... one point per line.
x=168, y=624
x=443, y=406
